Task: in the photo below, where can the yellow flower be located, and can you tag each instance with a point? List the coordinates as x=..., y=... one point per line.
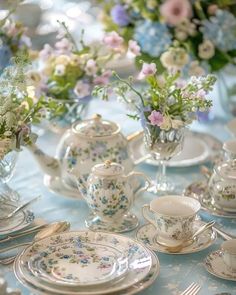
x=62, y=60
x=174, y=58
x=206, y=50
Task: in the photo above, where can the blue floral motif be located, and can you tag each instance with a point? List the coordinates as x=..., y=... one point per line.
x=221, y=30
x=153, y=37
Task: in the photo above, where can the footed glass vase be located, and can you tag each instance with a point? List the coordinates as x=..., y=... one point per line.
x=7, y=167
x=163, y=145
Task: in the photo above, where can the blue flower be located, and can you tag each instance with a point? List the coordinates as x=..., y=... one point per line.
x=5, y=56
x=120, y=16
x=153, y=37
x=221, y=30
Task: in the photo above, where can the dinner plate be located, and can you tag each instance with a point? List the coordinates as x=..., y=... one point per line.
x=139, y=258
x=134, y=289
x=197, y=149
x=16, y=223
x=82, y=264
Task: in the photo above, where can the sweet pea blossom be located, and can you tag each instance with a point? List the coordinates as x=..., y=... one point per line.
x=103, y=79
x=147, y=70
x=156, y=118
x=134, y=47
x=175, y=11
x=91, y=67
x=113, y=40
x=46, y=52
x=81, y=89
x=120, y=16
x=63, y=46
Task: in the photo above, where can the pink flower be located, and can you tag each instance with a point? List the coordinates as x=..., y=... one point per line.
x=201, y=94
x=113, y=40
x=134, y=47
x=175, y=11
x=103, y=79
x=63, y=46
x=91, y=67
x=147, y=70
x=156, y=118
x=82, y=89
x=46, y=52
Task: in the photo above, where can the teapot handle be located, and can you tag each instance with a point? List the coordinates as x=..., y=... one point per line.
x=147, y=184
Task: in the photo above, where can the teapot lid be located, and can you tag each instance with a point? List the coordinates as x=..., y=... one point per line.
x=108, y=168
x=227, y=169
x=95, y=127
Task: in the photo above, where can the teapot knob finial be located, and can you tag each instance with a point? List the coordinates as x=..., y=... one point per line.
x=97, y=117
x=107, y=163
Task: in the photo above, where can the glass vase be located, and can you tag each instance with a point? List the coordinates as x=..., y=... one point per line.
x=7, y=167
x=163, y=145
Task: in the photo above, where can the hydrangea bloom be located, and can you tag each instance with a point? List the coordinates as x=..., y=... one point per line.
x=120, y=15
x=221, y=30
x=153, y=37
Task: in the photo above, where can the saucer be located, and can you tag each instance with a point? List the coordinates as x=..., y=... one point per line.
x=56, y=186
x=215, y=265
x=198, y=190
x=197, y=149
x=17, y=222
x=147, y=235
x=129, y=222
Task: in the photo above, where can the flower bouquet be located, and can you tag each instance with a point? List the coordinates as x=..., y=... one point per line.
x=13, y=40
x=68, y=72
x=18, y=110
x=205, y=29
x=165, y=107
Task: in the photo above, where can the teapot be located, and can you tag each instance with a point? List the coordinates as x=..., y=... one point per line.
x=222, y=185
x=108, y=192
x=82, y=146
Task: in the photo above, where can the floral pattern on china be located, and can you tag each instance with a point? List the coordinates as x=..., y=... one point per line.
x=108, y=192
x=79, y=263
x=86, y=143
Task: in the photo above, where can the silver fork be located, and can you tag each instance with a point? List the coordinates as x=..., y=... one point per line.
x=192, y=289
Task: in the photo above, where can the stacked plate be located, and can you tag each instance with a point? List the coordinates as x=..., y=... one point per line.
x=16, y=223
x=86, y=263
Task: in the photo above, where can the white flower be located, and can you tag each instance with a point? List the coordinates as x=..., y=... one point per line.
x=82, y=89
x=174, y=58
x=206, y=50
x=195, y=69
x=166, y=124
x=60, y=70
x=91, y=67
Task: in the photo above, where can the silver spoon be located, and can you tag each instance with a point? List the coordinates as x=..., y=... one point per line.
x=185, y=243
x=21, y=207
x=51, y=229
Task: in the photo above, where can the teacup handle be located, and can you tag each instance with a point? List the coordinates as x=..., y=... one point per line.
x=146, y=211
x=146, y=186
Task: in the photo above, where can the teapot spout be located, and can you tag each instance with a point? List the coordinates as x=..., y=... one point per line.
x=49, y=165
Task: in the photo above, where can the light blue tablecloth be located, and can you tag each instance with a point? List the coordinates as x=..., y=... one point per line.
x=177, y=272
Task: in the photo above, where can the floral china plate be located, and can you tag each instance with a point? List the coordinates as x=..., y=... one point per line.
x=215, y=265
x=128, y=222
x=147, y=235
x=134, y=289
x=198, y=148
x=16, y=223
x=139, y=260
x=57, y=186
x=198, y=190
x=80, y=264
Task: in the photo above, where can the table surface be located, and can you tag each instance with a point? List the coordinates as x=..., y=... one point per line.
x=176, y=272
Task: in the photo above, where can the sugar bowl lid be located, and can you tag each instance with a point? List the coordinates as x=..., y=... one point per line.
x=95, y=127
x=108, y=168
x=227, y=169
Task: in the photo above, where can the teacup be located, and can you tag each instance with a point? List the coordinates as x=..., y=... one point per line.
x=173, y=216
x=229, y=254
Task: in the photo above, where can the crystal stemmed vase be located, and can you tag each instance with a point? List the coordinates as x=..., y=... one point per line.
x=7, y=167
x=163, y=145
